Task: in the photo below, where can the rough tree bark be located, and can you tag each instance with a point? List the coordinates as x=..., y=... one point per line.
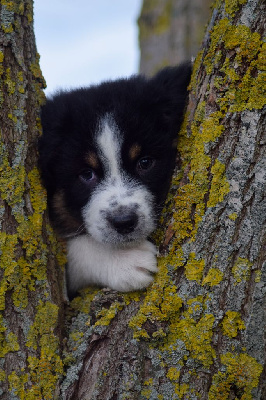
x=199, y=331
x=30, y=288
x=170, y=31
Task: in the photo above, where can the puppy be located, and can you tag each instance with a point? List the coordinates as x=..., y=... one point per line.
x=107, y=155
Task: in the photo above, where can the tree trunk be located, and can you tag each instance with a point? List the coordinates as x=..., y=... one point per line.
x=30, y=296
x=199, y=330
x=170, y=32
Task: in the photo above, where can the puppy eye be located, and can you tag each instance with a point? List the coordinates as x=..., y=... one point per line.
x=145, y=163
x=88, y=176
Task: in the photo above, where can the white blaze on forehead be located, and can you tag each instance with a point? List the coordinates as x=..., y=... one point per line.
x=109, y=145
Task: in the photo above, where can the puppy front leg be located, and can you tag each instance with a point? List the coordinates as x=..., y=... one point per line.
x=123, y=269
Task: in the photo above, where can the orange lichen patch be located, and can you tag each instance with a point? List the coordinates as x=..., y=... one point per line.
x=241, y=375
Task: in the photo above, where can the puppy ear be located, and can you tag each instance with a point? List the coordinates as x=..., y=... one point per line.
x=169, y=92
x=174, y=77
x=52, y=115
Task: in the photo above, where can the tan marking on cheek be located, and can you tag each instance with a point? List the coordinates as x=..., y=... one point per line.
x=64, y=218
x=92, y=159
x=174, y=143
x=134, y=151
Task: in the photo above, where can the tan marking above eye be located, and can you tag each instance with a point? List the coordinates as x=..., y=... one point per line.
x=134, y=151
x=92, y=159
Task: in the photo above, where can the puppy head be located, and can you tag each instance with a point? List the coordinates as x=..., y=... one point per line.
x=107, y=154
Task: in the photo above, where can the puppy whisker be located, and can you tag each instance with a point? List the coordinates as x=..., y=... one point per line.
x=80, y=230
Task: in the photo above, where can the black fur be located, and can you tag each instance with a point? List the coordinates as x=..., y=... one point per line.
x=148, y=112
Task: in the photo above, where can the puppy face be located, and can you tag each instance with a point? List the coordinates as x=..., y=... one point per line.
x=121, y=208
x=107, y=154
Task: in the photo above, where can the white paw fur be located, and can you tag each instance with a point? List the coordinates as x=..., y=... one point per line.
x=123, y=269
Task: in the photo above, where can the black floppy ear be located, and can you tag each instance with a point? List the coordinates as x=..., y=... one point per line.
x=52, y=117
x=169, y=92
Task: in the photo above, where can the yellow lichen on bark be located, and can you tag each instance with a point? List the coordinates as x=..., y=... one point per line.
x=206, y=186
x=25, y=239
x=242, y=372
x=232, y=323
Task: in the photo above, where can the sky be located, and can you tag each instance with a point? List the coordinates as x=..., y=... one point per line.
x=84, y=42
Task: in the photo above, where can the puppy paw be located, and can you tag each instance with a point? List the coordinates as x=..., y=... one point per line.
x=135, y=268
x=92, y=263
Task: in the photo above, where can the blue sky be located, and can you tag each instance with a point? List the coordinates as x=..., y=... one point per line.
x=86, y=41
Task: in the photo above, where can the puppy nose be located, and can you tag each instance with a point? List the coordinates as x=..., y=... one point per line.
x=124, y=222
